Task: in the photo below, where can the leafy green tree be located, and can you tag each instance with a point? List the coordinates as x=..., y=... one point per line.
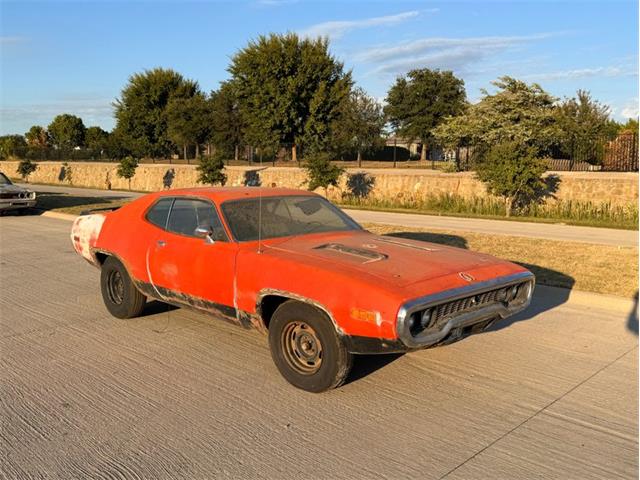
x=321, y=172
x=419, y=102
x=211, y=169
x=227, y=128
x=583, y=122
x=630, y=126
x=10, y=144
x=25, y=168
x=141, y=121
x=517, y=112
x=96, y=139
x=37, y=136
x=289, y=90
x=359, y=125
x=513, y=171
x=188, y=121
x=67, y=131
x=127, y=168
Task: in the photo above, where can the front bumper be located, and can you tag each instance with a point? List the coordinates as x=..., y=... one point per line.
x=468, y=318
x=16, y=203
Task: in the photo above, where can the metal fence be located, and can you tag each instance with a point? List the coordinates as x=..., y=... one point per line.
x=618, y=154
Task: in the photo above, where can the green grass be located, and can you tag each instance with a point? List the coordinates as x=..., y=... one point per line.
x=566, y=212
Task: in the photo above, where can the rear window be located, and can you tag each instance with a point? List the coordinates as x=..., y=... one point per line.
x=159, y=213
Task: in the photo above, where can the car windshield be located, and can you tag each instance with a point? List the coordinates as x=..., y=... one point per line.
x=4, y=180
x=283, y=217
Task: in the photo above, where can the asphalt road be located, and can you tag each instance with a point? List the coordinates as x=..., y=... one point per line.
x=175, y=394
x=604, y=236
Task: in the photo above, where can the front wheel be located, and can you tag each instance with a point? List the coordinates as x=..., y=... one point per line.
x=120, y=295
x=306, y=348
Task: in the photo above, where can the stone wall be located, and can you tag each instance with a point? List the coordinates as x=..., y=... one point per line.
x=597, y=187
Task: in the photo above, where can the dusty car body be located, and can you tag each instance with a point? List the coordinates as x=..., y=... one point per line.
x=14, y=197
x=288, y=260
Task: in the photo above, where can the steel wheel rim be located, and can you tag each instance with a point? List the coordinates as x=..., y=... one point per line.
x=302, y=348
x=115, y=287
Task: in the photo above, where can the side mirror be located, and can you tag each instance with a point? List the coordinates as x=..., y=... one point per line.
x=206, y=233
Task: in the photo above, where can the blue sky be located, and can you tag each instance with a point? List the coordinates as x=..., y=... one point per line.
x=75, y=57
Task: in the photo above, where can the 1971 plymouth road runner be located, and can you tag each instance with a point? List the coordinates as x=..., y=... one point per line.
x=291, y=264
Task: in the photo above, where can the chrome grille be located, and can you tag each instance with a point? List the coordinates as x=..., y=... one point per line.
x=442, y=312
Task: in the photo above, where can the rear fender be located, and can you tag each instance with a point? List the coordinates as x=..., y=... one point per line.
x=84, y=236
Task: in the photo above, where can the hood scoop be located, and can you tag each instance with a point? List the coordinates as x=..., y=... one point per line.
x=367, y=255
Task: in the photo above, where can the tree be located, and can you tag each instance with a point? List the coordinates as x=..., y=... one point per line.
x=630, y=126
x=37, y=136
x=67, y=131
x=583, y=122
x=188, y=121
x=140, y=112
x=9, y=145
x=211, y=169
x=25, y=168
x=322, y=172
x=419, y=102
x=512, y=170
x=226, y=121
x=289, y=90
x=360, y=124
x=517, y=112
x=127, y=168
x=96, y=139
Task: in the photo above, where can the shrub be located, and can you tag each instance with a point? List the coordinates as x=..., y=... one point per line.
x=25, y=168
x=127, y=168
x=321, y=171
x=211, y=170
x=512, y=171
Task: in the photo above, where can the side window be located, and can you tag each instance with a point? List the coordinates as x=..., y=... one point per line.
x=159, y=212
x=187, y=215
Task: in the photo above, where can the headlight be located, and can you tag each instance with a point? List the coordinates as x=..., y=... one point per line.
x=420, y=321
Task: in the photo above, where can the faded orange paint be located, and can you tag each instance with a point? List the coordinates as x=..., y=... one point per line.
x=234, y=274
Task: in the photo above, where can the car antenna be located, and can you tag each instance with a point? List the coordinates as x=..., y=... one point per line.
x=260, y=212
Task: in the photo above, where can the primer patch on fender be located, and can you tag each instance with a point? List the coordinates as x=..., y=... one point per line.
x=84, y=234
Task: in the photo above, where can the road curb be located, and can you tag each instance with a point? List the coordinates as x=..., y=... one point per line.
x=588, y=299
x=59, y=215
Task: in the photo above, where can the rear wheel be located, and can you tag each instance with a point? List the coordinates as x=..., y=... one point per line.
x=306, y=348
x=121, y=297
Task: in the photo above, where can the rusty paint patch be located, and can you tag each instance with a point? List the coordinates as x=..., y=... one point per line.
x=84, y=234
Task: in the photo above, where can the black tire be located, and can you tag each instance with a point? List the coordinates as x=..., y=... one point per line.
x=306, y=348
x=120, y=295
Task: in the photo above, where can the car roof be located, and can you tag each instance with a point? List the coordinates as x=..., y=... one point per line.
x=222, y=194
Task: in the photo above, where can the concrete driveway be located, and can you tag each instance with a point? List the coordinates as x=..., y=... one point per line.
x=175, y=394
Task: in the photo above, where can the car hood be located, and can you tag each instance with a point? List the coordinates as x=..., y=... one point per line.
x=396, y=261
x=12, y=189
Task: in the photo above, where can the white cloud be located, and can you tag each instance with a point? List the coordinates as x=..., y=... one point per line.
x=338, y=28
x=426, y=45
x=610, y=71
x=10, y=40
x=455, y=54
x=630, y=109
x=275, y=3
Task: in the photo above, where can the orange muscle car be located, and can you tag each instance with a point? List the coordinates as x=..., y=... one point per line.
x=291, y=264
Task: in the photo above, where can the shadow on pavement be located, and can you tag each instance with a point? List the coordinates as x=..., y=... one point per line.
x=632, y=321
x=364, y=365
x=54, y=200
x=544, y=276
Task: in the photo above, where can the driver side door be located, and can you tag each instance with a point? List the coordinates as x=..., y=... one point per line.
x=191, y=269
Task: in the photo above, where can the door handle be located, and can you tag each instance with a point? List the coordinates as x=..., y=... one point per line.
x=161, y=243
